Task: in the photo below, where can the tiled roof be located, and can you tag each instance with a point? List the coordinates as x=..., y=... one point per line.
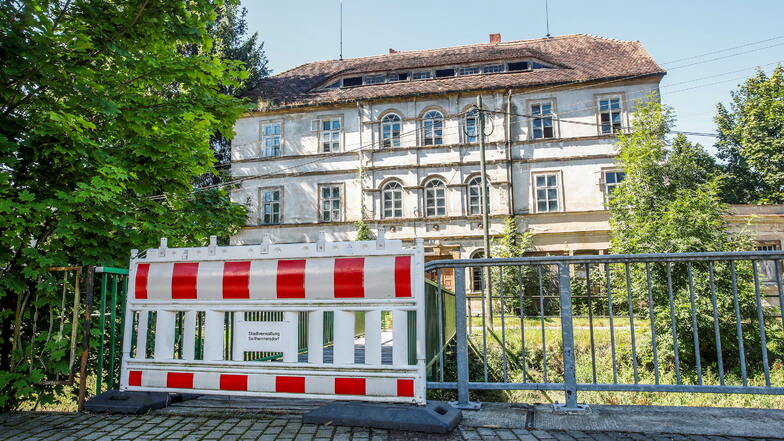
x=579, y=58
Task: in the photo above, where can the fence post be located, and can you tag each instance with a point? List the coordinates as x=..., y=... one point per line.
x=462, y=344
x=567, y=336
x=86, y=337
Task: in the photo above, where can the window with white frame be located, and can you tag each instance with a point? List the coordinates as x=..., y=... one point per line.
x=542, y=120
x=331, y=130
x=468, y=71
x=610, y=114
x=270, y=139
x=433, y=128
x=477, y=281
x=493, y=68
x=422, y=75
x=475, y=195
x=375, y=79
x=331, y=204
x=390, y=130
x=611, y=180
x=471, y=126
x=547, y=191
x=270, y=206
x=392, y=200
x=435, y=198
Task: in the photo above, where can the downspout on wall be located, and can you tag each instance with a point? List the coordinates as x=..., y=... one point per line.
x=508, y=135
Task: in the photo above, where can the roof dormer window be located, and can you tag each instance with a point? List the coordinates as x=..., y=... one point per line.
x=375, y=79
x=518, y=66
x=397, y=76
x=441, y=73
x=444, y=72
x=468, y=70
x=353, y=81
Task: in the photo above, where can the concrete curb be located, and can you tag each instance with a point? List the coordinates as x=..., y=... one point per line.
x=761, y=423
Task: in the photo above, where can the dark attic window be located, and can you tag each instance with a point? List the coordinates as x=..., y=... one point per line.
x=353, y=81
x=445, y=73
x=539, y=66
x=521, y=65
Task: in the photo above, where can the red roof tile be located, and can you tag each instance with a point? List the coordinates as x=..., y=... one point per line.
x=578, y=58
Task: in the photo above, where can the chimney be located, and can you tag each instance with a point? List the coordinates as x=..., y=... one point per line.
x=392, y=51
x=495, y=38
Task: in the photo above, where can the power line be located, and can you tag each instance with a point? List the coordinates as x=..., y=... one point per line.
x=723, y=50
x=727, y=56
x=554, y=117
x=295, y=166
x=586, y=84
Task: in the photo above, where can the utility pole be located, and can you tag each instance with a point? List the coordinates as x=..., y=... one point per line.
x=485, y=205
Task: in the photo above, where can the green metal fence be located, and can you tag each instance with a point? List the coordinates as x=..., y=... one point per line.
x=111, y=319
x=439, y=328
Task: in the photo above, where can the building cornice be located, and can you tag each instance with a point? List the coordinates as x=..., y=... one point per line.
x=528, y=90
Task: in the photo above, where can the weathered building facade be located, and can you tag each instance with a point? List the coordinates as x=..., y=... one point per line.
x=393, y=139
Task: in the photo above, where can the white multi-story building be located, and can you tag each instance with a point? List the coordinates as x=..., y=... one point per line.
x=393, y=137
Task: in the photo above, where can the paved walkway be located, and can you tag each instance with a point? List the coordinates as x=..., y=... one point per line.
x=84, y=426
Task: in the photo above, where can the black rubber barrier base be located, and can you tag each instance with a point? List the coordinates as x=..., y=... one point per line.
x=435, y=417
x=128, y=402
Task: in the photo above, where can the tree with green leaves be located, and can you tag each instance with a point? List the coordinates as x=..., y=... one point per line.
x=107, y=108
x=231, y=42
x=670, y=202
x=507, y=281
x=751, y=140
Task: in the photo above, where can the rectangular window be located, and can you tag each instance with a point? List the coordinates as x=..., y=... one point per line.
x=270, y=140
x=270, y=206
x=610, y=114
x=400, y=76
x=353, y=81
x=611, y=180
x=423, y=75
x=331, y=206
x=542, y=120
x=493, y=68
x=375, y=79
x=518, y=66
x=468, y=71
x=440, y=73
x=330, y=135
x=547, y=192
x=471, y=132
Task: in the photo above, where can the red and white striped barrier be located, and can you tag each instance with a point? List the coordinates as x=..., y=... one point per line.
x=196, y=316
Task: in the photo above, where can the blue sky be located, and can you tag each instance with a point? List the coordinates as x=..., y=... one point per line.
x=299, y=31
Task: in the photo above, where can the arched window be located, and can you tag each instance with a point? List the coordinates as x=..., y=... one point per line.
x=390, y=131
x=476, y=272
x=435, y=198
x=433, y=128
x=392, y=200
x=475, y=195
x=471, y=126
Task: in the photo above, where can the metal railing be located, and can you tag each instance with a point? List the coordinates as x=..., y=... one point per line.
x=111, y=319
x=690, y=322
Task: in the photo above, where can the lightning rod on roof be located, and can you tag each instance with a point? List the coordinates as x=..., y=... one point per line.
x=547, y=17
x=341, y=29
